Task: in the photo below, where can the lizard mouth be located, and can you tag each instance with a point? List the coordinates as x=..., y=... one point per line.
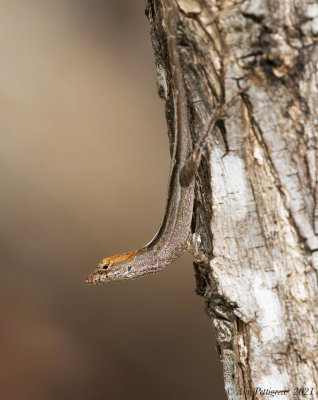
x=96, y=277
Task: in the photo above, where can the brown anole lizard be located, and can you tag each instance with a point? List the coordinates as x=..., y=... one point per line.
x=171, y=239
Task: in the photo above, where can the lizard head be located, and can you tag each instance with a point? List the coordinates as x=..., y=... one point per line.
x=114, y=268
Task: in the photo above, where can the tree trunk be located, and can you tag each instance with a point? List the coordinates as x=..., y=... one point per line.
x=255, y=226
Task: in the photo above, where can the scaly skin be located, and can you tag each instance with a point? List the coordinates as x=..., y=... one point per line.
x=170, y=241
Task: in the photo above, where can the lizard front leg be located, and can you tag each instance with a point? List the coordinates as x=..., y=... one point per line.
x=193, y=161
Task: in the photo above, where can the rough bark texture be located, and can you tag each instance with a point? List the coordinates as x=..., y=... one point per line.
x=256, y=215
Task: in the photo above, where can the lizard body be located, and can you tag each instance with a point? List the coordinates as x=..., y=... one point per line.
x=170, y=240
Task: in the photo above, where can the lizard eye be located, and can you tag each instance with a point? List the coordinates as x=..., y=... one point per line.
x=129, y=269
x=105, y=266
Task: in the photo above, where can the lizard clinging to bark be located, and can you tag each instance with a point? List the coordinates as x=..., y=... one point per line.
x=171, y=239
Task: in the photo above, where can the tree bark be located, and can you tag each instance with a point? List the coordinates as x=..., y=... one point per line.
x=255, y=226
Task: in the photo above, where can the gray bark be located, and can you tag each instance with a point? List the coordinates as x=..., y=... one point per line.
x=255, y=229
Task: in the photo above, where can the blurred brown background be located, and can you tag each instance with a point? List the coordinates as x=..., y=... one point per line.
x=84, y=169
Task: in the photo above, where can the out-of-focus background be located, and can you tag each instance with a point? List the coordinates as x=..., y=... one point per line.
x=84, y=169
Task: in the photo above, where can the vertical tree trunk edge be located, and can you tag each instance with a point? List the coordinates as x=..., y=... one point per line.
x=255, y=228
